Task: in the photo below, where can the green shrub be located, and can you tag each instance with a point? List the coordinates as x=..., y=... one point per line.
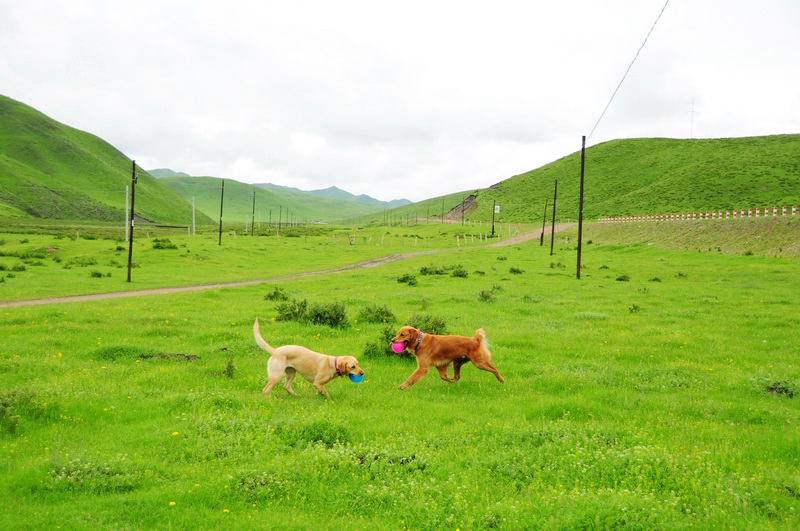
x=163, y=243
x=431, y=270
x=623, y=278
x=409, y=279
x=332, y=314
x=383, y=346
x=428, y=323
x=18, y=405
x=486, y=296
x=292, y=310
x=276, y=294
x=374, y=313
x=230, y=368
x=459, y=272
x=782, y=388
x=516, y=271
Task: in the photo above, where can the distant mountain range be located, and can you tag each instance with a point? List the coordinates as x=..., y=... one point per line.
x=329, y=193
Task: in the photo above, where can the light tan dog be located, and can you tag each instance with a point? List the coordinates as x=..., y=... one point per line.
x=440, y=351
x=319, y=369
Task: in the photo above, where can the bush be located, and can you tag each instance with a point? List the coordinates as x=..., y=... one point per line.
x=409, y=279
x=277, y=294
x=333, y=315
x=292, y=310
x=383, y=346
x=96, y=274
x=459, y=272
x=163, y=243
x=516, y=271
x=374, y=313
x=623, y=278
x=486, y=296
x=428, y=323
x=431, y=270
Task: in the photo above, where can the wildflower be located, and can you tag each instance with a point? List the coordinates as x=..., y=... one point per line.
x=174, y=433
x=172, y=504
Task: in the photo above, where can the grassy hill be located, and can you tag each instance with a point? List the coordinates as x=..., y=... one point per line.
x=648, y=175
x=52, y=171
x=269, y=204
x=333, y=192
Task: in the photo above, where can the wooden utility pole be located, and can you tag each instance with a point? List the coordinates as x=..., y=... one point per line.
x=494, y=209
x=553, y=229
x=580, y=207
x=253, y=219
x=544, y=222
x=221, y=201
x=134, y=178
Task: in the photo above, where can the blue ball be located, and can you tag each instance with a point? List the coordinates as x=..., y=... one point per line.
x=356, y=378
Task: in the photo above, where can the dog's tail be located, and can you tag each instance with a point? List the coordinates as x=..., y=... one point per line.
x=481, y=335
x=260, y=340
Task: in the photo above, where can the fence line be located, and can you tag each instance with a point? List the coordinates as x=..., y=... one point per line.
x=712, y=214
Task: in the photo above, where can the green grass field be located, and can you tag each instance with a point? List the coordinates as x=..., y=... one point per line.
x=657, y=392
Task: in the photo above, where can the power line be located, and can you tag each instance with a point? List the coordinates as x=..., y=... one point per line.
x=629, y=69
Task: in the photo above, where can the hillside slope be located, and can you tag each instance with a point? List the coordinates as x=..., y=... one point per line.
x=53, y=171
x=642, y=176
x=270, y=205
x=639, y=176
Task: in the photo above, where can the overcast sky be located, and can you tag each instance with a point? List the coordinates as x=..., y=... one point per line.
x=397, y=99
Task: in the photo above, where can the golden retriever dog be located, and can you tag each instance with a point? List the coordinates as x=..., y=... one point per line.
x=319, y=369
x=440, y=351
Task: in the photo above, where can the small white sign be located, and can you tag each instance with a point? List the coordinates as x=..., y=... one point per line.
x=497, y=209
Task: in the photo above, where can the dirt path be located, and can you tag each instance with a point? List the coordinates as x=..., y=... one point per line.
x=518, y=238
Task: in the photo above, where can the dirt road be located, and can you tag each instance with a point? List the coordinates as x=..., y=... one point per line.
x=513, y=240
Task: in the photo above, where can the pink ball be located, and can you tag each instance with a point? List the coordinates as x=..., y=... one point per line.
x=398, y=347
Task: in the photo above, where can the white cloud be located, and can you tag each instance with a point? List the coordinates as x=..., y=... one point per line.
x=396, y=99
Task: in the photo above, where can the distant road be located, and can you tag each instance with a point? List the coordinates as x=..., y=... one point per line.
x=519, y=238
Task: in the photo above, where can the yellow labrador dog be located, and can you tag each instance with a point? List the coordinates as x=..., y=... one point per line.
x=319, y=369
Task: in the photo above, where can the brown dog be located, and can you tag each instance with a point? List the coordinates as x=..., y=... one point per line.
x=319, y=369
x=441, y=351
